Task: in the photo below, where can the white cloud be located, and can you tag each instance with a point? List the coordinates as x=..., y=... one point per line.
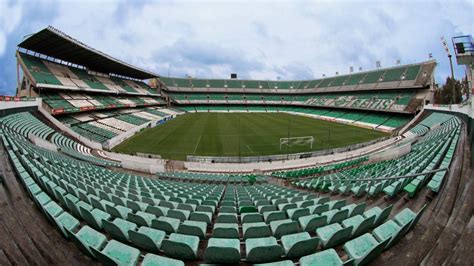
x=10, y=16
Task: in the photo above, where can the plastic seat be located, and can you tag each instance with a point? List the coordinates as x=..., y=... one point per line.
x=220, y=250
x=95, y=217
x=318, y=209
x=335, y=216
x=309, y=223
x=182, y=215
x=299, y=244
x=141, y=218
x=66, y=221
x=284, y=227
x=227, y=218
x=391, y=231
x=333, y=234
x=255, y=230
x=118, y=211
x=87, y=238
x=264, y=249
x=359, y=224
x=157, y=210
x=154, y=260
x=119, y=228
x=274, y=216
x=354, y=209
x=296, y=213
x=225, y=230
x=193, y=228
x=251, y=218
x=147, y=238
x=364, y=248
x=380, y=215
x=228, y=209
x=325, y=257
x=117, y=253
x=201, y=217
x=167, y=224
x=181, y=246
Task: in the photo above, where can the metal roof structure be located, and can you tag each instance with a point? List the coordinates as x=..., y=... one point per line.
x=54, y=43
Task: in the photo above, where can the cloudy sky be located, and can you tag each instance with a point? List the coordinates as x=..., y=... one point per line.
x=256, y=39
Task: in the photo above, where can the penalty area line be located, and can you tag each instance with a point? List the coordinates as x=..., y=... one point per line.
x=197, y=144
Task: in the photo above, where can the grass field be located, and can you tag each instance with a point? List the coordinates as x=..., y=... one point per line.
x=244, y=134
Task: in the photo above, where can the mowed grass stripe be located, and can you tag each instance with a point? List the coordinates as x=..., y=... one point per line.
x=244, y=134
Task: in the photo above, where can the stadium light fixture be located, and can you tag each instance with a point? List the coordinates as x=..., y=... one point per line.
x=446, y=48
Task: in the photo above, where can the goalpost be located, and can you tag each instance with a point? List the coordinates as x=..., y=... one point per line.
x=297, y=141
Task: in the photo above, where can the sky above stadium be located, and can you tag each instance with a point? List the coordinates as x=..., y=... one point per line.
x=255, y=39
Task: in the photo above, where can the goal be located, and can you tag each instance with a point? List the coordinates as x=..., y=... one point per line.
x=297, y=141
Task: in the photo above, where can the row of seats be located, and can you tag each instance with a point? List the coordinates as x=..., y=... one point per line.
x=396, y=101
x=426, y=154
x=48, y=72
x=387, y=75
x=211, y=177
x=62, y=102
x=303, y=172
x=384, y=120
x=114, y=123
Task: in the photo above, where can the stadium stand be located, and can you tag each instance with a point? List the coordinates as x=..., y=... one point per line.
x=65, y=202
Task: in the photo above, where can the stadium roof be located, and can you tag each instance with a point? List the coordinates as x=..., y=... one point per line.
x=54, y=43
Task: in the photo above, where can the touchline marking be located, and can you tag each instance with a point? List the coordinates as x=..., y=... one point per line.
x=197, y=144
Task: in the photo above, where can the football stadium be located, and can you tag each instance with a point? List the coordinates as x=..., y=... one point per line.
x=104, y=162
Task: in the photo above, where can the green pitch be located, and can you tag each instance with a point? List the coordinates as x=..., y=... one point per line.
x=244, y=134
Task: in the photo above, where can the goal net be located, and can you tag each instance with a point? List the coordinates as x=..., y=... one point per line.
x=297, y=141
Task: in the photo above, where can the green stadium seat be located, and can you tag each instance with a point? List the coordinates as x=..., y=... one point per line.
x=380, y=215
x=274, y=216
x=333, y=234
x=86, y=239
x=225, y=230
x=147, y=238
x=284, y=227
x=157, y=210
x=119, y=228
x=193, y=228
x=66, y=221
x=141, y=218
x=264, y=249
x=118, y=211
x=220, y=250
x=251, y=218
x=364, y=248
x=299, y=244
x=355, y=209
x=179, y=214
x=201, y=217
x=227, y=218
x=391, y=231
x=117, y=253
x=325, y=257
x=167, y=224
x=95, y=217
x=180, y=246
x=255, y=230
x=359, y=224
x=335, y=216
x=296, y=213
x=318, y=209
x=309, y=223
x=276, y=263
x=154, y=260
